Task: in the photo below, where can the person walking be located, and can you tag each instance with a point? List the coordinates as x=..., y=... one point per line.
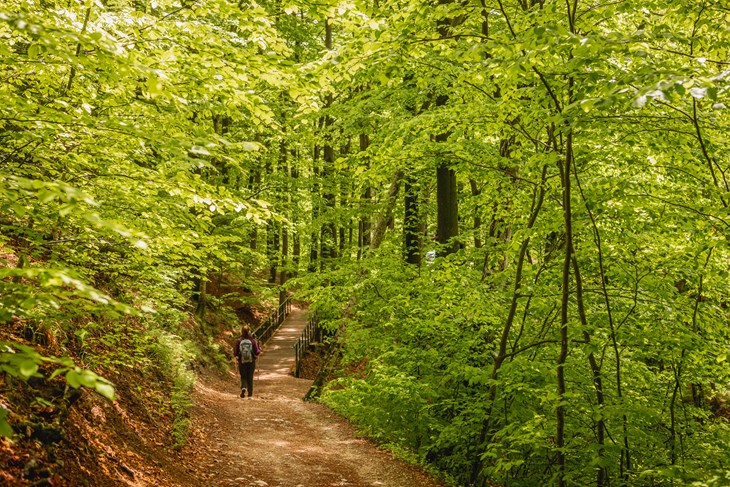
x=245, y=352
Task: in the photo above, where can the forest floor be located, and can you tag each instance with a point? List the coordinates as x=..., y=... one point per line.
x=279, y=440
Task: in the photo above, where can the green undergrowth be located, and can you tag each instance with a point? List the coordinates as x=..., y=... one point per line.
x=175, y=356
x=417, y=375
x=147, y=361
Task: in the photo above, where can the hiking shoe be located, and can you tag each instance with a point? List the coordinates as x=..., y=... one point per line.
x=243, y=392
x=250, y=397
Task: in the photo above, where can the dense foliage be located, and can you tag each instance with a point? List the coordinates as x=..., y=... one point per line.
x=579, y=335
x=127, y=134
x=517, y=211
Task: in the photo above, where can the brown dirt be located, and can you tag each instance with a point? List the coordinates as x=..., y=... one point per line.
x=277, y=439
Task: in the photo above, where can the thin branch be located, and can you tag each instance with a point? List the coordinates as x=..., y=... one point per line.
x=527, y=347
x=72, y=73
x=679, y=205
x=452, y=36
x=706, y=155
x=690, y=56
x=168, y=15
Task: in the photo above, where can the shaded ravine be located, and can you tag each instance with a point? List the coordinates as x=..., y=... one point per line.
x=277, y=439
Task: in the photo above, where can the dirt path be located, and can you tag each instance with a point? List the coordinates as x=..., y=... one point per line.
x=278, y=440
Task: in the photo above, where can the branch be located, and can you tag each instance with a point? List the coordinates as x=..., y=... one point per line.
x=691, y=56
x=527, y=347
x=72, y=73
x=452, y=36
x=671, y=203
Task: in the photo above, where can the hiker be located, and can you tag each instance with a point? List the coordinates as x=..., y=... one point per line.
x=245, y=353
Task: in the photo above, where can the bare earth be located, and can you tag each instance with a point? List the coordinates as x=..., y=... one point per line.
x=277, y=439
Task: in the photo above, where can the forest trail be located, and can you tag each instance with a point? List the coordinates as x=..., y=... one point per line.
x=279, y=440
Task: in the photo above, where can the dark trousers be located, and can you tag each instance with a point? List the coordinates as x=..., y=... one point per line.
x=246, y=371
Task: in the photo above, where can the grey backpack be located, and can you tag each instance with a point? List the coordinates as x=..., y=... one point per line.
x=245, y=351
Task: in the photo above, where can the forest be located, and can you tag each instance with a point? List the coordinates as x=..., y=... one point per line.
x=512, y=216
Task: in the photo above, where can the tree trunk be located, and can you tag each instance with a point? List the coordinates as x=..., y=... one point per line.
x=382, y=223
x=538, y=199
x=296, y=244
x=329, y=229
x=411, y=223
x=565, y=301
x=284, y=248
x=475, y=191
x=254, y=181
x=447, y=210
x=296, y=253
x=202, y=299
x=272, y=249
x=314, y=243
x=363, y=238
x=283, y=273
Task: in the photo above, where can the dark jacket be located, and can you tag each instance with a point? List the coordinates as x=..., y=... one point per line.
x=256, y=349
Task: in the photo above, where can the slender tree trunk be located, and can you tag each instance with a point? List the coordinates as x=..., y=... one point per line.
x=537, y=201
x=329, y=229
x=296, y=253
x=382, y=223
x=411, y=223
x=314, y=244
x=569, y=249
x=283, y=273
x=625, y=460
x=565, y=301
x=345, y=195
x=601, y=473
x=254, y=181
x=475, y=192
x=202, y=299
x=272, y=249
x=296, y=241
x=366, y=199
x=284, y=248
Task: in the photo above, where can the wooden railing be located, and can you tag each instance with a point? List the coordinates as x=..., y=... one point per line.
x=273, y=320
x=312, y=332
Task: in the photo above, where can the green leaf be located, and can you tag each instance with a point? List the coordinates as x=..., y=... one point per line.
x=28, y=368
x=33, y=51
x=73, y=378
x=5, y=429
x=79, y=377
x=106, y=389
x=88, y=379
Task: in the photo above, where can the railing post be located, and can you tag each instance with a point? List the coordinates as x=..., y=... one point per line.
x=297, y=359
